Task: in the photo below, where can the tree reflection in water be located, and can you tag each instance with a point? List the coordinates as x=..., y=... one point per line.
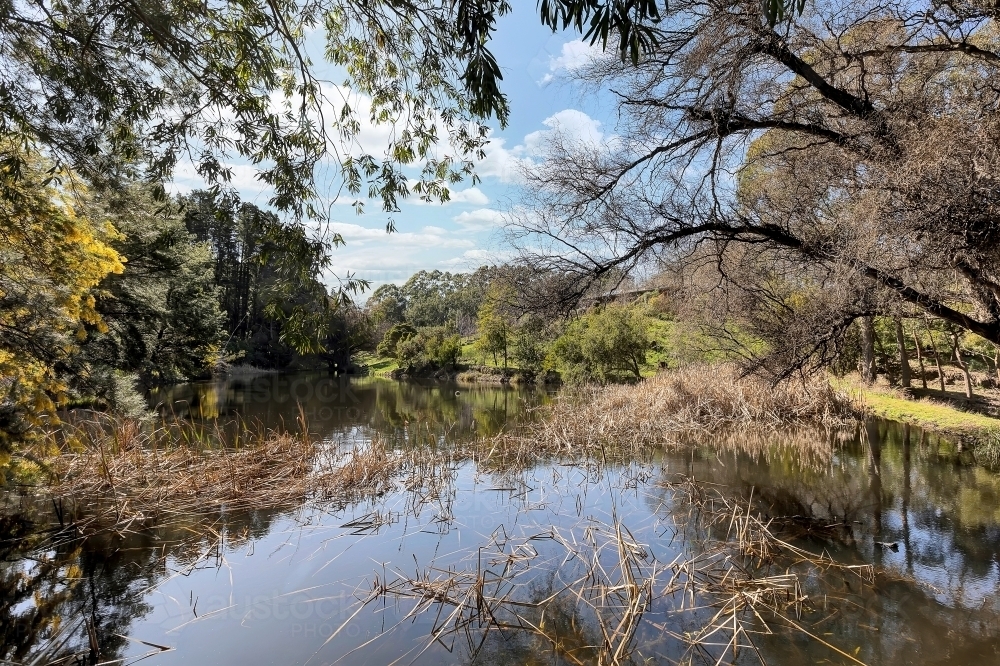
x=61, y=568
x=339, y=405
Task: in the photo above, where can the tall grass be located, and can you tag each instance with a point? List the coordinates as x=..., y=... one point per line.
x=177, y=467
x=676, y=407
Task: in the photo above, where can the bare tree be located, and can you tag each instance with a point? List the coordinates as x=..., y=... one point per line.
x=920, y=360
x=904, y=359
x=851, y=157
x=868, y=350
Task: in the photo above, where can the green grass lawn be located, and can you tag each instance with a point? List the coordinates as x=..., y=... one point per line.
x=380, y=365
x=925, y=412
x=376, y=364
x=470, y=355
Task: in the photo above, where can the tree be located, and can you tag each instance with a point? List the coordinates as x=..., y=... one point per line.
x=387, y=304
x=634, y=25
x=495, y=322
x=603, y=346
x=162, y=312
x=529, y=340
x=435, y=298
x=348, y=331
x=494, y=338
x=904, y=359
x=125, y=90
x=53, y=256
x=120, y=91
x=396, y=335
x=849, y=133
x=430, y=348
x=268, y=275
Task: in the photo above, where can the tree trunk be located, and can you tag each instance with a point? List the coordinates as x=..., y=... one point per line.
x=904, y=361
x=867, y=350
x=920, y=360
x=957, y=349
x=996, y=362
x=505, y=348
x=937, y=359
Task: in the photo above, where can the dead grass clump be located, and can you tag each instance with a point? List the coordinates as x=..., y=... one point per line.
x=665, y=408
x=144, y=472
x=587, y=590
x=599, y=576
x=755, y=581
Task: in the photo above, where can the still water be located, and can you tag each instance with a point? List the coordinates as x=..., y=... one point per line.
x=301, y=587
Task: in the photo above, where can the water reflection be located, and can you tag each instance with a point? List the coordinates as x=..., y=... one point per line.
x=273, y=587
x=54, y=582
x=892, y=485
x=338, y=405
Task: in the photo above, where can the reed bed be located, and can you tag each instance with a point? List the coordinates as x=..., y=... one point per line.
x=182, y=467
x=677, y=407
x=147, y=473
x=734, y=582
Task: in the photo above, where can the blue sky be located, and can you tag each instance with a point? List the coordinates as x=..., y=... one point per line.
x=463, y=234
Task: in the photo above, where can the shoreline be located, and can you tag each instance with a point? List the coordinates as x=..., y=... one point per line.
x=967, y=427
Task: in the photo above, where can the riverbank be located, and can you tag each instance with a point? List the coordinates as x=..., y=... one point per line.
x=464, y=373
x=673, y=408
x=925, y=412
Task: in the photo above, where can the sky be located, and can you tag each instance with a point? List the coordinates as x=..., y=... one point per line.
x=464, y=233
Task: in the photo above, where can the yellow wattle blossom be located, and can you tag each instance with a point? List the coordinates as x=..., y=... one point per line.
x=52, y=258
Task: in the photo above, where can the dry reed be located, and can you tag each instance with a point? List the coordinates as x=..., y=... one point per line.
x=180, y=466
x=737, y=577
x=676, y=407
x=145, y=473
x=734, y=580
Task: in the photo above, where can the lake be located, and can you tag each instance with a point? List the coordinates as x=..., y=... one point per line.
x=566, y=562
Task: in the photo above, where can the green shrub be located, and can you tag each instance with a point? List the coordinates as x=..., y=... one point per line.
x=603, y=346
x=389, y=347
x=424, y=349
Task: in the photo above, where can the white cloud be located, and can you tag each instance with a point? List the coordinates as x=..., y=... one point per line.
x=500, y=162
x=504, y=163
x=372, y=254
x=573, y=56
x=430, y=236
x=575, y=125
x=482, y=219
x=472, y=259
x=471, y=195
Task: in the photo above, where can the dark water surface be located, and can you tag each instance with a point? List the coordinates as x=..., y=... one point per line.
x=296, y=587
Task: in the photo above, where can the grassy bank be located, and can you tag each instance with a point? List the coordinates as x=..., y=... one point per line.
x=376, y=365
x=470, y=369
x=925, y=412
